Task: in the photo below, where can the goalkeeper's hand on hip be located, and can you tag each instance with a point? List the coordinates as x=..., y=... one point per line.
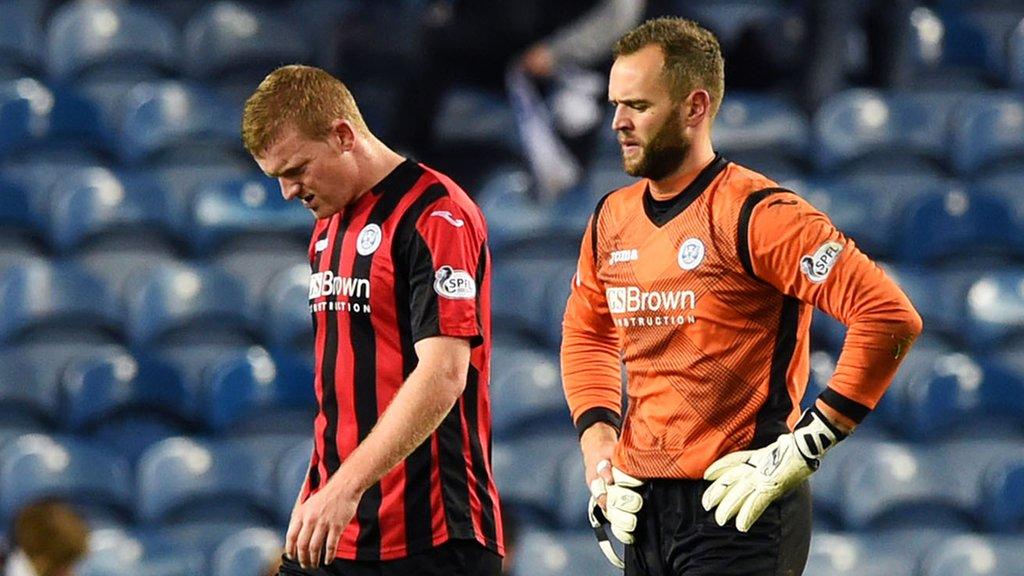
x=745, y=483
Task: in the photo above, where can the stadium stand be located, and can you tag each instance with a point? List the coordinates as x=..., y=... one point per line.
x=154, y=325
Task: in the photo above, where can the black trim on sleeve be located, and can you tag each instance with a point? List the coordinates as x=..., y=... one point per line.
x=743, y=229
x=850, y=408
x=595, y=415
x=593, y=227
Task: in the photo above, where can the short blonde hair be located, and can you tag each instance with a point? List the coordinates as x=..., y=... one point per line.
x=52, y=535
x=302, y=96
x=693, y=58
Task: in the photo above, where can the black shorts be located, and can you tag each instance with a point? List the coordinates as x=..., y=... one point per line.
x=454, y=557
x=676, y=537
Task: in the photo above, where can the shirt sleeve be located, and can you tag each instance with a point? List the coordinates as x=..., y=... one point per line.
x=795, y=248
x=447, y=263
x=591, y=372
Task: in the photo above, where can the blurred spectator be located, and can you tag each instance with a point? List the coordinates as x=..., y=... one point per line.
x=49, y=539
x=475, y=42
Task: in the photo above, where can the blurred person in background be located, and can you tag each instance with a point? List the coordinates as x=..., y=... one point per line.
x=49, y=540
x=400, y=478
x=701, y=278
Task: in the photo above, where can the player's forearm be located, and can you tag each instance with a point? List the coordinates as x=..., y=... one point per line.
x=591, y=375
x=420, y=406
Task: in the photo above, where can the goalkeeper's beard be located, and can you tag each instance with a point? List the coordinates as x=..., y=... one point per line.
x=663, y=154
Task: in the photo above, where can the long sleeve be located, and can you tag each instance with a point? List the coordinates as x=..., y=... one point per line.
x=590, y=346
x=796, y=249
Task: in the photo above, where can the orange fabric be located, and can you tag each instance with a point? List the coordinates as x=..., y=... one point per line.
x=700, y=336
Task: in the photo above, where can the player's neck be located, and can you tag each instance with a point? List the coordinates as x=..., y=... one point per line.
x=379, y=161
x=700, y=155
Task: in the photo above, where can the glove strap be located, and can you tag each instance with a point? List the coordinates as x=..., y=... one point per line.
x=815, y=435
x=598, y=522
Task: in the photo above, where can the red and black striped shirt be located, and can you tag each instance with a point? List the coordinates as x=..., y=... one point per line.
x=406, y=261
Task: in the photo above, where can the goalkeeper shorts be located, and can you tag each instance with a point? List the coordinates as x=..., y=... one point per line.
x=675, y=536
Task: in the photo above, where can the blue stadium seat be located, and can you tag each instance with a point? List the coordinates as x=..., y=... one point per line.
x=38, y=466
x=129, y=403
x=560, y=554
x=119, y=267
x=115, y=551
x=239, y=41
x=182, y=480
x=977, y=35
x=995, y=309
x=257, y=263
x=526, y=468
x=235, y=212
x=286, y=321
x=950, y=224
x=751, y=123
x=859, y=130
x=194, y=362
x=1015, y=58
x=518, y=290
x=1006, y=186
x=248, y=552
x=40, y=302
x=526, y=393
x=19, y=41
x=988, y=134
x=97, y=208
x=292, y=467
x=495, y=125
x=555, y=296
x=975, y=555
x=28, y=397
x=871, y=554
x=868, y=214
x=512, y=214
x=203, y=538
x=174, y=121
x=183, y=180
x=187, y=305
x=259, y=393
x=110, y=40
x=1002, y=492
x=895, y=486
x=19, y=230
x=574, y=496
x=60, y=123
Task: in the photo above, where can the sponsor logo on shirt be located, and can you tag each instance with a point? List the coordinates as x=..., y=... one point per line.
x=368, y=240
x=454, y=284
x=691, y=254
x=819, y=265
x=634, y=307
x=457, y=222
x=623, y=256
x=327, y=283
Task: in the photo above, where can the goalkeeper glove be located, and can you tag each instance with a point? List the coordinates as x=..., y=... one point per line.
x=747, y=482
x=622, y=504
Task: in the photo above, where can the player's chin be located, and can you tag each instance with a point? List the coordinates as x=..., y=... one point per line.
x=323, y=211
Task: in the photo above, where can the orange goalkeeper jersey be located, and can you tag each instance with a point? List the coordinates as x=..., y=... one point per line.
x=707, y=299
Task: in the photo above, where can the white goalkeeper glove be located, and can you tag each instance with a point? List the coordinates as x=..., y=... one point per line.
x=621, y=506
x=747, y=482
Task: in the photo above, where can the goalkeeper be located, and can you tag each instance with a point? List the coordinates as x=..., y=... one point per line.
x=701, y=277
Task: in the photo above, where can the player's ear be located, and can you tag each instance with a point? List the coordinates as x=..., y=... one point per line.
x=697, y=107
x=342, y=134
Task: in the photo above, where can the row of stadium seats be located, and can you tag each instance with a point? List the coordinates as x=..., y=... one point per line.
x=969, y=134
x=91, y=209
x=888, y=553
x=868, y=485
x=155, y=304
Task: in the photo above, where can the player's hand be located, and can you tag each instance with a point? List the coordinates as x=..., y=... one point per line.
x=747, y=482
x=598, y=444
x=316, y=525
x=623, y=501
